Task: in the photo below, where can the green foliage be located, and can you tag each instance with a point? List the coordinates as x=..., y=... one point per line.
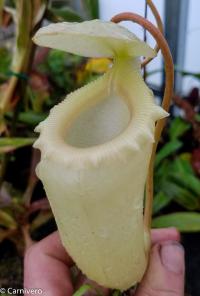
x=31, y=118
x=83, y=289
x=63, y=14
x=175, y=180
x=56, y=64
x=24, y=25
x=177, y=128
x=1, y=10
x=197, y=117
x=167, y=150
x=185, y=178
x=61, y=68
x=92, y=7
x=41, y=219
x=58, y=12
x=56, y=61
x=160, y=201
x=10, y=144
x=6, y=220
x=181, y=186
x=185, y=222
x=5, y=61
x=182, y=196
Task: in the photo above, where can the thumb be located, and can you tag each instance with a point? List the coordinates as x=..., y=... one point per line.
x=165, y=274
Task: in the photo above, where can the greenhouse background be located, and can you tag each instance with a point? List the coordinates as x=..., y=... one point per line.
x=179, y=17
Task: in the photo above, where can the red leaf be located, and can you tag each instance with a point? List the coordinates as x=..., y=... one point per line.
x=39, y=81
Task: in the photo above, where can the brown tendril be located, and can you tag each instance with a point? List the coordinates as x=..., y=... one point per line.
x=169, y=71
x=160, y=27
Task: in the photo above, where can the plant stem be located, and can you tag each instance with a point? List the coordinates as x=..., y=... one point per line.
x=169, y=69
x=26, y=25
x=28, y=242
x=145, y=39
x=22, y=49
x=19, y=61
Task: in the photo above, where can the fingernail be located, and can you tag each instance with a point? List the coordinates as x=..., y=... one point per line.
x=172, y=257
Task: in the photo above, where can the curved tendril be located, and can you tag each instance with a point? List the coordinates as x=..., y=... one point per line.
x=169, y=71
x=159, y=25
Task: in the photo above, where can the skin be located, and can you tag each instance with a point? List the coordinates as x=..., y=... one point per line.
x=47, y=266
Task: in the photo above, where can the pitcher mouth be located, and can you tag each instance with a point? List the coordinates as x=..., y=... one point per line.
x=72, y=132
x=88, y=142
x=127, y=125
x=99, y=124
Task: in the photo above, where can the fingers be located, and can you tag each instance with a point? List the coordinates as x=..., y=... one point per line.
x=46, y=266
x=164, y=234
x=165, y=274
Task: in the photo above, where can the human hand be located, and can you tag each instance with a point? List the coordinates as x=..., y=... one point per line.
x=47, y=266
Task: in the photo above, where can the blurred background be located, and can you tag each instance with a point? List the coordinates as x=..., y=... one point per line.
x=33, y=80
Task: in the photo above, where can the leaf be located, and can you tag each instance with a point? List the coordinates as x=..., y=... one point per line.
x=10, y=144
x=188, y=181
x=32, y=118
x=167, y=150
x=56, y=61
x=182, y=163
x=160, y=201
x=162, y=170
x=39, y=8
x=181, y=195
x=3, y=126
x=92, y=7
x=177, y=128
x=183, y=174
x=1, y=11
x=42, y=218
x=5, y=61
x=24, y=24
x=183, y=221
x=163, y=167
x=7, y=220
x=83, y=289
x=197, y=117
x=65, y=14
